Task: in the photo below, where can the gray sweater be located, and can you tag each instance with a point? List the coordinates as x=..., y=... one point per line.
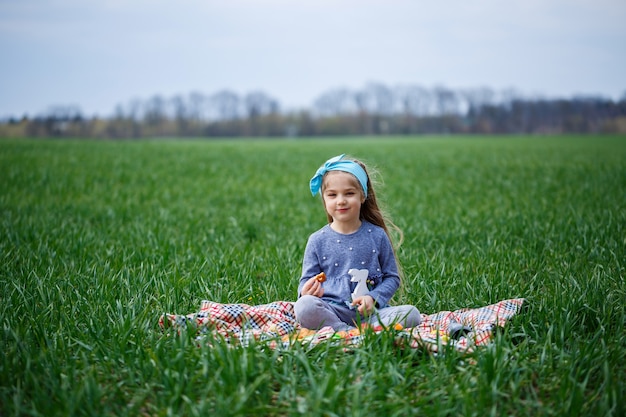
x=335, y=253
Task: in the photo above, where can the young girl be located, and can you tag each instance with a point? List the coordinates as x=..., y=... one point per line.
x=355, y=238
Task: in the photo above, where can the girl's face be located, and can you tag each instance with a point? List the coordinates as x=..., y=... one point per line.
x=343, y=197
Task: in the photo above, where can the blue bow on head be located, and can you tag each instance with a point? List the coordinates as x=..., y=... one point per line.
x=339, y=164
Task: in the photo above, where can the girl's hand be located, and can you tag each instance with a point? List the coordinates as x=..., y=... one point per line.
x=365, y=305
x=313, y=287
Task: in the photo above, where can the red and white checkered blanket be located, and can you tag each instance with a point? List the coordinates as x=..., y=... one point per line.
x=275, y=324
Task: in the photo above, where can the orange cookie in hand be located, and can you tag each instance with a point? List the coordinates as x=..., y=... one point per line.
x=321, y=277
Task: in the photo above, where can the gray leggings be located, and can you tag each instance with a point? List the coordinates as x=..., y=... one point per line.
x=314, y=313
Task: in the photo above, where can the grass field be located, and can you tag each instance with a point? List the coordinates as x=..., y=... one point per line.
x=98, y=239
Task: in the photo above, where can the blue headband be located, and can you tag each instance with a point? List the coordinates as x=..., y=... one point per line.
x=338, y=164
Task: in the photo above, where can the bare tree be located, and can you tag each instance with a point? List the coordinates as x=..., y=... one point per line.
x=197, y=106
x=475, y=98
x=446, y=100
x=413, y=100
x=227, y=104
x=380, y=99
x=335, y=102
x=181, y=115
x=155, y=111
x=258, y=103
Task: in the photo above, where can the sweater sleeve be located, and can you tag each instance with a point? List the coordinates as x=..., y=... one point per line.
x=390, y=281
x=310, y=263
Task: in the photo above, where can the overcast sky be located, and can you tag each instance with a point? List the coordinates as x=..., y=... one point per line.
x=97, y=54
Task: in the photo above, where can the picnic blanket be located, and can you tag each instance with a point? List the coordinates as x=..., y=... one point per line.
x=276, y=326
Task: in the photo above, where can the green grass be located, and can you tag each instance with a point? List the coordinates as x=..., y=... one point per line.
x=98, y=239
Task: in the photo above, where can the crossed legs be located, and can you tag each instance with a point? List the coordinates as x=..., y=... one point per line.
x=314, y=313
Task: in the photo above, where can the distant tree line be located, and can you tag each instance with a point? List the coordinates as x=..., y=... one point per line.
x=374, y=110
